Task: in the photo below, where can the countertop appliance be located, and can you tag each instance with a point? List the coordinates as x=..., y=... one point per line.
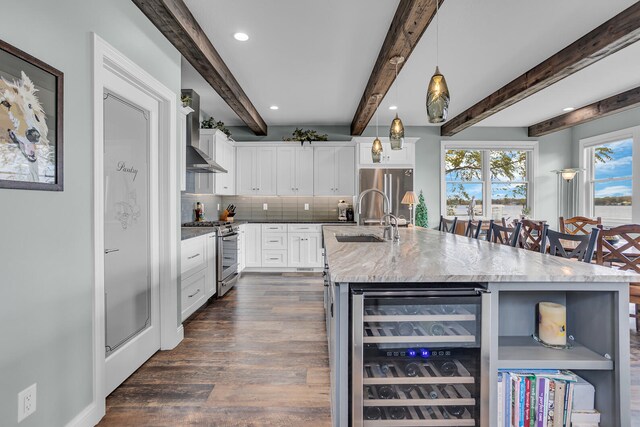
x=226, y=254
x=392, y=182
x=417, y=356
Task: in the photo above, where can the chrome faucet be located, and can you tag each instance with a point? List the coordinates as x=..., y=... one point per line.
x=391, y=229
x=387, y=203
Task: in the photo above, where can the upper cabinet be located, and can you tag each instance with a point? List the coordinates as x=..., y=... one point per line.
x=256, y=171
x=389, y=158
x=295, y=171
x=225, y=156
x=334, y=171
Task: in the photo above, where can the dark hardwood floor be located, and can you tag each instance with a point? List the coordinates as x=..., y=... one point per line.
x=257, y=357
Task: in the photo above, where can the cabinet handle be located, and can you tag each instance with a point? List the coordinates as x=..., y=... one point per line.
x=273, y=241
x=274, y=259
x=194, y=294
x=108, y=251
x=193, y=256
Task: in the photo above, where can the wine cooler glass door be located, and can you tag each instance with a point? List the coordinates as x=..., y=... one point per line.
x=416, y=359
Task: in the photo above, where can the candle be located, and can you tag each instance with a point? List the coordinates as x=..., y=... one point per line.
x=552, y=323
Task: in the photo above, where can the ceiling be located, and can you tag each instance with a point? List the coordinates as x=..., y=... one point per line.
x=313, y=58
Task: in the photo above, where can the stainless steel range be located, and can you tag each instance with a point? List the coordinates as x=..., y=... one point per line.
x=226, y=254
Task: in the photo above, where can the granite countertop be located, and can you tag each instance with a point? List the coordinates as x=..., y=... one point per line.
x=425, y=255
x=191, y=232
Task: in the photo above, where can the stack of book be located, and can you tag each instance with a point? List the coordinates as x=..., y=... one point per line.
x=536, y=398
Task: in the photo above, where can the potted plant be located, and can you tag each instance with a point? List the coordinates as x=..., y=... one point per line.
x=186, y=100
x=308, y=135
x=211, y=123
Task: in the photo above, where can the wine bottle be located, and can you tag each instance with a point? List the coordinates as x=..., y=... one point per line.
x=384, y=368
x=447, y=309
x=404, y=329
x=397, y=413
x=411, y=369
x=436, y=329
x=448, y=369
x=411, y=309
x=406, y=388
x=386, y=392
x=455, y=411
x=372, y=413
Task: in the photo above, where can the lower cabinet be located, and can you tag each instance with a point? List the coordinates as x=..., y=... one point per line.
x=273, y=247
x=241, y=246
x=197, y=272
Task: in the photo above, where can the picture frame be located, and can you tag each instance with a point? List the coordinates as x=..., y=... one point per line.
x=31, y=122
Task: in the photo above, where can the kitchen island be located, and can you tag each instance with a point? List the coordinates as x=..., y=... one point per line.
x=509, y=283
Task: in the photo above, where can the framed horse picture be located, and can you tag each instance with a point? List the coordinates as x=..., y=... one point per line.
x=31, y=103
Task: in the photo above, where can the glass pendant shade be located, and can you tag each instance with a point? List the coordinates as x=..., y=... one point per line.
x=376, y=150
x=437, y=98
x=396, y=134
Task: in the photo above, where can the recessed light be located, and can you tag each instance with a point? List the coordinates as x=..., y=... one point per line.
x=274, y=107
x=241, y=37
x=393, y=107
x=566, y=110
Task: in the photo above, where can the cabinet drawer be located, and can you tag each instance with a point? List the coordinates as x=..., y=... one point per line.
x=274, y=228
x=305, y=228
x=193, y=293
x=274, y=241
x=193, y=254
x=274, y=258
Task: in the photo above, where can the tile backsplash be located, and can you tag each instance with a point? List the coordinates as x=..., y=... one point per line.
x=188, y=205
x=285, y=208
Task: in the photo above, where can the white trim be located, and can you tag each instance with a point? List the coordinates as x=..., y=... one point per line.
x=109, y=61
x=584, y=162
x=532, y=168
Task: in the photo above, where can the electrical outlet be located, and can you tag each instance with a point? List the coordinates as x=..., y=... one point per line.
x=265, y=207
x=306, y=206
x=27, y=402
x=218, y=207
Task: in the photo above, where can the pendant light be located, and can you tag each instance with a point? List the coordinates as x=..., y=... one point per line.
x=437, y=93
x=396, y=132
x=376, y=148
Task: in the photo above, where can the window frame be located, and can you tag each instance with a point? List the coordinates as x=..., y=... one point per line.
x=586, y=163
x=486, y=147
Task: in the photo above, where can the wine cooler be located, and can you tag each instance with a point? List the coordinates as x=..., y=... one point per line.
x=417, y=357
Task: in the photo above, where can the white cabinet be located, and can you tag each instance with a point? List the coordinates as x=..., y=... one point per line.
x=295, y=171
x=183, y=113
x=204, y=181
x=256, y=171
x=253, y=245
x=197, y=272
x=241, y=247
x=334, y=171
x=274, y=245
x=305, y=250
x=396, y=158
x=225, y=156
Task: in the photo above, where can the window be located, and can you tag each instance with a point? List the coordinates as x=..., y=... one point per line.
x=491, y=178
x=609, y=166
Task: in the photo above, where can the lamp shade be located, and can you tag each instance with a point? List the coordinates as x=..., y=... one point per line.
x=376, y=150
x=437, y=98
x=396, y=134
x=409, y=198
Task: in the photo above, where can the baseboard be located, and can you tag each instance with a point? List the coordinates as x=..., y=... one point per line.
x=177, y=338
x=89, y=417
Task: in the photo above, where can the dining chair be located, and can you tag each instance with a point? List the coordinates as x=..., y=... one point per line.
x=579, y=246
x=509, y=236
x=531, y=234
x=623, y=254
x=448, y=225
x=473, y=228
x=577, y=224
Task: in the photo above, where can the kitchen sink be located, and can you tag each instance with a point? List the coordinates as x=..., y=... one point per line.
x=363, y=238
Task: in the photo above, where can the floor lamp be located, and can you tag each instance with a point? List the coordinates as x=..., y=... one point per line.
x=567, y=191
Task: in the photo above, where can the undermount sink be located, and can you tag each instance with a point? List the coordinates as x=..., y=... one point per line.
x=363, y=238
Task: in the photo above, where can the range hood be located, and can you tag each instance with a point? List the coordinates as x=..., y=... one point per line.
x=197, y=161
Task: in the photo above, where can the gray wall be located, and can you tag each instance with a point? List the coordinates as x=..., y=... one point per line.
x=46, y=272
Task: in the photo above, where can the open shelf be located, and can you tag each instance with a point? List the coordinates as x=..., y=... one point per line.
x=523, y=352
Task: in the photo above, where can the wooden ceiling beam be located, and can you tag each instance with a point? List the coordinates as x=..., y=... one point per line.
x=603, y=108
x=411, y=19
x=177, y=24
x=617, y=33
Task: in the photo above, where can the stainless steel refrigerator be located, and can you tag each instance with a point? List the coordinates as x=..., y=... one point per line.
x=392, y=182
